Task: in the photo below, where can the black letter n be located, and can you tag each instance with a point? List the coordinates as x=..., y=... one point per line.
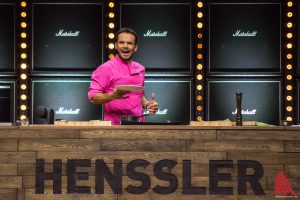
x=41, y=176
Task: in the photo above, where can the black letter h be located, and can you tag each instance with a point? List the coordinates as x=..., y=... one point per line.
x=41, y=176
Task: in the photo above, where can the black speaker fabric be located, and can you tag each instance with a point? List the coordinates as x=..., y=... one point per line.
x=68, y=99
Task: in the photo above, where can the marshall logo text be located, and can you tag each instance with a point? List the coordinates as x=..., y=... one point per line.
x=240, y=33
x=63, y=33
x=151, y=33
x=246, y=112
x=63, y=111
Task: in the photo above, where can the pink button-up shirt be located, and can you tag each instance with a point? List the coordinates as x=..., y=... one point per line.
x=117, y=72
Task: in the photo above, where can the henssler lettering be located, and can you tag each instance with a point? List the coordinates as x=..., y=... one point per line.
x=62, y=33
x=161, y=169
x=63, y=111
x=246, y=112
x=151, y=33
x=240, y=33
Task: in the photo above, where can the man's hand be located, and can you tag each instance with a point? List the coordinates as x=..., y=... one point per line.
x=119, y=94
x=101, y=98
x=152, y=105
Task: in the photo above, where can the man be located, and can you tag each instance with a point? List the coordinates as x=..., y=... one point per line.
x=121, y=70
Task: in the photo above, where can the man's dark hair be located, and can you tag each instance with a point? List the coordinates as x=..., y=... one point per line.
x=128, y=30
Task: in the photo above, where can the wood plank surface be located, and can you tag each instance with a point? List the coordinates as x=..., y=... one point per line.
x=8, y=169
x=154, y=145
x=235, y=145
x=8, y=194
x=8, y=145
x=55, y=145
x=292, y=146
x=150, y=134
x=276, y=149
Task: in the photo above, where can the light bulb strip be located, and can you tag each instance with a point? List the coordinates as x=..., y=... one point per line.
x=199, y=64
x=289, y=62
x=23, y=63
x=111, y=28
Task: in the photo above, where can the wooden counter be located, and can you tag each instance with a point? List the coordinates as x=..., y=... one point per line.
x=275, y=148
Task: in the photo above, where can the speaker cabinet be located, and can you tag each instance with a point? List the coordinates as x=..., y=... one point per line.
x=67, y=36
x=174, y=97
x=68, y=98
x=244, y=37
x=164, y=32
x=261, y=99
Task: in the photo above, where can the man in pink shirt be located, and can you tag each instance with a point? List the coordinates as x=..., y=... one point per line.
x=121, y=70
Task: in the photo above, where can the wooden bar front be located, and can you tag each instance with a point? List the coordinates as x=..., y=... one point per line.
x=275, y=148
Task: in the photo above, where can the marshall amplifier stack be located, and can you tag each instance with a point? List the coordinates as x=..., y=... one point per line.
x=244, y=54
x=166, y=50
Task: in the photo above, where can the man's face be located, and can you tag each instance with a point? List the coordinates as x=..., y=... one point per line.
x=125, y=45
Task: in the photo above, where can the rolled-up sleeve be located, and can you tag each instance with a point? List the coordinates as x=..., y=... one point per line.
x=99, y=81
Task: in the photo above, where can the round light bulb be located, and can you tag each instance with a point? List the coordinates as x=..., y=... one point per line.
x=23, y=4
x=199, y=56
x=23, y=45
x=199, y=87
x=23, y=14
x=23, y=107
x=289, y=98
x=23, y=117
x=23, y=35
x=289, y=66
x=111, y=4
x=23, y=66
x=23, y=24
x=23, y=76
x=111, y=15
x=199, y=118
x=199, y=77
x=199, y=25
x=23, y=55
x=199, y=108
x=290, y=4
x=289, y=108
x=111, y=46
x=111, y=56
x=23, y=87
x=23, y=97
x=199, y=14
x=200, y=4
x=199, y=98
x=111, y=36
x=199, y=66
x=289, y=77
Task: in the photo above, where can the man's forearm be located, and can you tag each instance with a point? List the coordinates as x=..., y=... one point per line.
x=101, y=98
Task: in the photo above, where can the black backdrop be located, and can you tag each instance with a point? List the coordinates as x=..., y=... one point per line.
x=7, y=103
x=7, y=37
